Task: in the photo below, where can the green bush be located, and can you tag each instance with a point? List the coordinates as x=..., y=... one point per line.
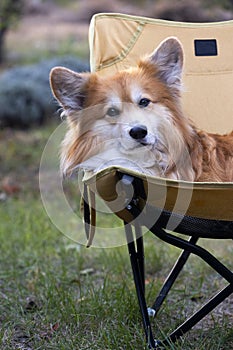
x=25, y=96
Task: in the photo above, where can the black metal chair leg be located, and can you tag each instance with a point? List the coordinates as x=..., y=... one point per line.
x=140, y=253
x=211, y=261
x=200, y=314
x=171, y=278
x=135, y=247
x=196, y=250
x=136, y=264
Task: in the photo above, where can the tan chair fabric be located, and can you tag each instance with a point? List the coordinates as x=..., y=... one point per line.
x=202, y=200
x=116, y=42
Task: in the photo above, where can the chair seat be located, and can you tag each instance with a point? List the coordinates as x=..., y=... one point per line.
x=207, y=201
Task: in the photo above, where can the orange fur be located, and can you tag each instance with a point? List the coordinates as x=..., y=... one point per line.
x=176, y=148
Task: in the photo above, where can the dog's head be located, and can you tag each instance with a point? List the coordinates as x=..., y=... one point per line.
x=134, y=109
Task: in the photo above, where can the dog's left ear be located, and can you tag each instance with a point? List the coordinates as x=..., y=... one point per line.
x=169, y=58
x=69, y=88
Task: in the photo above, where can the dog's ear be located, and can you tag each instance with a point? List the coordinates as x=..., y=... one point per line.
x=169, y=58
x=68, y=87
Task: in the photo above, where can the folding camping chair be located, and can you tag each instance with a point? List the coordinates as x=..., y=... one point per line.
x=197, y=210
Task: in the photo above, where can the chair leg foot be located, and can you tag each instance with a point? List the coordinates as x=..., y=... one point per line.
x=151, y=312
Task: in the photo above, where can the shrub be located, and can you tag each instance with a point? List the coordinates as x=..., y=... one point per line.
x=25, y=96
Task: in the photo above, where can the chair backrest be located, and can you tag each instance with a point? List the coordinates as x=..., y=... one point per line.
x=117, y=41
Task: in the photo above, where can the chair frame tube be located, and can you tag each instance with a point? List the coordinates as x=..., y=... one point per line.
x=136, y=253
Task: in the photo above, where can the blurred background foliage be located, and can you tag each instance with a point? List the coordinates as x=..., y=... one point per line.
x=36, y=35
x=25, y=96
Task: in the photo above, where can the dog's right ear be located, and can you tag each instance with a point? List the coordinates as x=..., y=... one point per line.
x=168, y=59
x=68, y=87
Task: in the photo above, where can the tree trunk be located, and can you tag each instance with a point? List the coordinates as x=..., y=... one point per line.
x=2, y=42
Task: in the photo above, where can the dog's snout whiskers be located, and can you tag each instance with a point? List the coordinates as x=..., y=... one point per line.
x=138, y=132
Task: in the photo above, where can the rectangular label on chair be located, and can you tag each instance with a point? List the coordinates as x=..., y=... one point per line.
x=205, y=47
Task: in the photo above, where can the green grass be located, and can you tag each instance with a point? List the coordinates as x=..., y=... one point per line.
x=67, y=47
x=56, y=294
x=42, y=39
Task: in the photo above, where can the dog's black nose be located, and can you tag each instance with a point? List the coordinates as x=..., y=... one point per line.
x=138, y=132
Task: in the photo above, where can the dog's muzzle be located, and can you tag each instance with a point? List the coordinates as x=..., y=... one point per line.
x=138, y=132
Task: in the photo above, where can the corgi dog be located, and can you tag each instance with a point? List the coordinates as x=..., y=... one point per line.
x=134, y=119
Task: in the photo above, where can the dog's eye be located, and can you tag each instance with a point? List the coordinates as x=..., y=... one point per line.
x=144, y=102
x=113, y=112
